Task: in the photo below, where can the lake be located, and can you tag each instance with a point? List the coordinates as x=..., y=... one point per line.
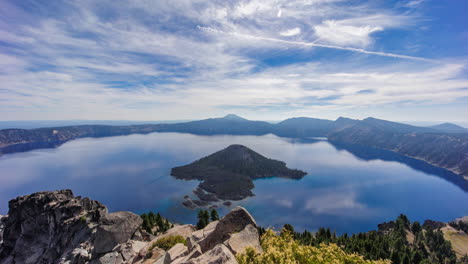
x=348, y=188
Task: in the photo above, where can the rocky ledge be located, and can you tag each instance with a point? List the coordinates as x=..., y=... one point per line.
x=58, y=227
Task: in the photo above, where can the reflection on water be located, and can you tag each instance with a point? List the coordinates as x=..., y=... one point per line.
x=347, y=189
x=367, y=154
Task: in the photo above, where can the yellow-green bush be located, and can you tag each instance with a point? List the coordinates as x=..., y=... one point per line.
x=283, y=249
x=168, y=242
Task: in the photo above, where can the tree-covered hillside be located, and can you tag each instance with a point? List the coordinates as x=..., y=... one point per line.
x=400, y=241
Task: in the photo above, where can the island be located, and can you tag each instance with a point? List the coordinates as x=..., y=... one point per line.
x=229, y=173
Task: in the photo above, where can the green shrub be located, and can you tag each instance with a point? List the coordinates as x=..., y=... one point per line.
x=282, y=249
x=167, y=242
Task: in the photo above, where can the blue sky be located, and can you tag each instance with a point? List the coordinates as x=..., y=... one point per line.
x=401, y=60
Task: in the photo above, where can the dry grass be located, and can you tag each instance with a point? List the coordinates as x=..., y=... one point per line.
x=459, y=240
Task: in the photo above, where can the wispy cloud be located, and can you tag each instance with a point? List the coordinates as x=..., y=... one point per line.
x=313, y=44
x=291, y=32
x=190, y=59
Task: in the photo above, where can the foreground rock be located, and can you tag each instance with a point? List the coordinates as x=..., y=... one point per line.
x=57, y=227
x=248, y=237
x=234, y=222
x=219, y=254
x=115, y=228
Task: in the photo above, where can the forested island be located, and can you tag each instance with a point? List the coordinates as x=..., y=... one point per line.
x=229, y=173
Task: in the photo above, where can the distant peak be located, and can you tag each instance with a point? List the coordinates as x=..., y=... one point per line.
x=344, y=119
x=236, y=146
x=234, y=117
x=450, y=125
x=371, y=119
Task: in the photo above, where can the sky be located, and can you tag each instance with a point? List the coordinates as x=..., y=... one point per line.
x=402, y=60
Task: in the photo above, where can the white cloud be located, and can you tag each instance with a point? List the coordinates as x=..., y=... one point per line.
x=185, y=73
x=291, y=32
x=338, y=33
x=414, y=3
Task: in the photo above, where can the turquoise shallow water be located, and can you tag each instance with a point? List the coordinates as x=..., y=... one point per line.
x=348, y=189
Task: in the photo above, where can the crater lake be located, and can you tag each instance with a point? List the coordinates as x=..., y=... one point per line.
x=347, y=188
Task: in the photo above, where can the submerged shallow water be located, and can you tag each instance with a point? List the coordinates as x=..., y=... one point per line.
x=349, y=189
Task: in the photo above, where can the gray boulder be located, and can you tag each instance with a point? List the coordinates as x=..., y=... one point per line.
x=78, y=256
x=115, y=228
x=130, y=249
x=110, y=258
x=200, y=235
x=239, y=242
x=152, y=257
x=235, y=221
x=220, y=254
x=177, y=251
x=196, y=252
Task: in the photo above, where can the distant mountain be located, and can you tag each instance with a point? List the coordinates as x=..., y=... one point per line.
x=342, y=123
x=19, y=140
x=229, y=173
x=303, y=127
x=449, y=151
x=229, y=125
x=450, y=128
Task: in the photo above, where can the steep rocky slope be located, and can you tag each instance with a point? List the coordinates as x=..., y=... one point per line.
x=449, y=151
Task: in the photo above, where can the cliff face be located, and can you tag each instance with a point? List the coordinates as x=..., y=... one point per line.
x=449, y=151
x=58, y=227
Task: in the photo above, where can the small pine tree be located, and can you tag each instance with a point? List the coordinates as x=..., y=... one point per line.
x=203, y=219
x=214, y=215
x=416, y=228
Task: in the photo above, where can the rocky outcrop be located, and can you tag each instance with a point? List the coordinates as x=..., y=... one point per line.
x=235, y=221
x=178, y=230
x=177, y=251
x=115, y=228
x=248, y=237
x=218, y=255
x=218, y=242
x=57, y=227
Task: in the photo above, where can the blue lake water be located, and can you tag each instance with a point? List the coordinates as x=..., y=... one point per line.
x=344, y=191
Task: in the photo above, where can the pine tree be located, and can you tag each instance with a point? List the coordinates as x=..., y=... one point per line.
x=214, y=215
x=203, y=219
